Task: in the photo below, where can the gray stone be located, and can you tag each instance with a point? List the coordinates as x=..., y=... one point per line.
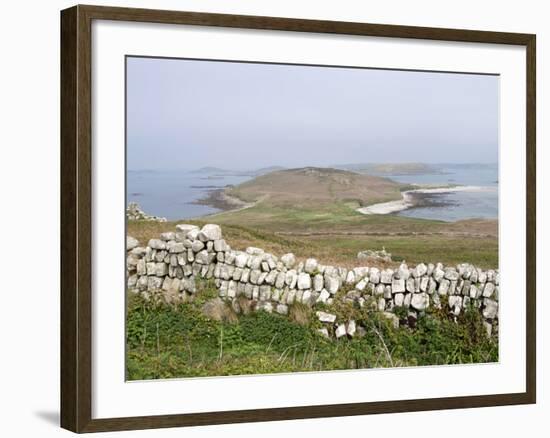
x=331, y=284
x=131, y=243
x=438, y=274
x=289, y=260
x=323, y=332
x=360, y=272
x=386, y=276
x=361, y=285
x=398, y=299
x=374, y=275
x=237, y=274
x=132, y=281
x=431, y=286
x=310, y=266
x=141, y=267
x=451, y=274
x=170, y=235
x=265, y=293
x=175, y=247
x=210, y=232
x=420, y=301
x=325, y=317
x=398, y=285
x=487, y=290
x=430, y=269
x=323, y=296
x=403, y=272
x=481, y=277
x=262, y=277
x=490, y=308
x=280, y=280
x=420, y=270
x=251, y=250
x=282, y=309
x=318, y=282
x=161, y=269
x=185, y=228
x=156, y=244
x=350, y=277
x=202, y=257
x=291, y=279
x=220, y=245
x=340, y=331
x=142, y=283
x=270, y=278
x=443, y=287
x=304, y=281
x=241, y=260
x=197, y=246
x=154, y=283
x=455, y=300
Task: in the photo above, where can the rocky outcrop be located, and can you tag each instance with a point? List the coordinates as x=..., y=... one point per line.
x=172, y=264
x=135, y=213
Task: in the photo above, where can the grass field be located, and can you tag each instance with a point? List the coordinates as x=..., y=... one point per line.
x=181, y=341
x=336, y=234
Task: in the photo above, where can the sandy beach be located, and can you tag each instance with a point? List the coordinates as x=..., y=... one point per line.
x=411, y=198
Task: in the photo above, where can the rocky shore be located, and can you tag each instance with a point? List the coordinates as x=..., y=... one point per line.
x=218, y=198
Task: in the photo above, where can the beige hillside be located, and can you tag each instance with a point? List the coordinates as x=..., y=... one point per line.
x=316, y=186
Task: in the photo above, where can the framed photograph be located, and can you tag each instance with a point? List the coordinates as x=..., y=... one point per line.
x=271, y=218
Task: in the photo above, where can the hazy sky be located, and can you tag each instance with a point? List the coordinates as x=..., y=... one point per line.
x=187, y=114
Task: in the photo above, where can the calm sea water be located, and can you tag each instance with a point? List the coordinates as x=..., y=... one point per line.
x=171, y=193
x=481, y=203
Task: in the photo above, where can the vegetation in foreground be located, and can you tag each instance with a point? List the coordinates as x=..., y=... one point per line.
x=184, y=340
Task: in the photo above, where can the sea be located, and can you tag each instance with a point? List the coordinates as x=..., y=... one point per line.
x=173, y=193
x=480, y=201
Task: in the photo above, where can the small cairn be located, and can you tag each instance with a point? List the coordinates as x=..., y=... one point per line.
x=135, y=213
x=374, y=256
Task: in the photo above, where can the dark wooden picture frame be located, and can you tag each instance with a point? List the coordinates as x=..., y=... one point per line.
x=76, y=218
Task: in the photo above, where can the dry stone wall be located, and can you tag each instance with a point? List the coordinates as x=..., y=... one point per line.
x=170, y=266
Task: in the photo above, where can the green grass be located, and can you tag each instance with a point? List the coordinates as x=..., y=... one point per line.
x=179, y=341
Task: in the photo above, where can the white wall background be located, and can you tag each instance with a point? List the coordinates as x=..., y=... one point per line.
x=29, y=188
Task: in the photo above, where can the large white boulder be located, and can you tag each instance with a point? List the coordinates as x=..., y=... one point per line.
x=210, y=232
x=131, y=243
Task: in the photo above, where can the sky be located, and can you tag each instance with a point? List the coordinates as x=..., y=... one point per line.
x=186, y=114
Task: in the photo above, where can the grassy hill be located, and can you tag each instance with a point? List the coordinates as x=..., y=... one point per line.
x=317, y=187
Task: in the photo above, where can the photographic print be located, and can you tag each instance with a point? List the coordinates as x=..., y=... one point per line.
x=303, y=218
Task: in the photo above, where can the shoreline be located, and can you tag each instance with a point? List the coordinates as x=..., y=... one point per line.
x=219, y=199
x=421, y=197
